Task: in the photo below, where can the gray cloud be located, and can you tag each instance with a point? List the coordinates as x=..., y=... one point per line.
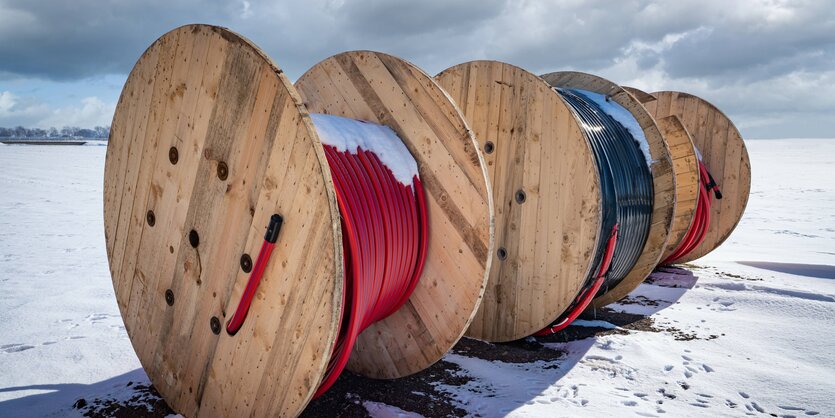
x=769, y=64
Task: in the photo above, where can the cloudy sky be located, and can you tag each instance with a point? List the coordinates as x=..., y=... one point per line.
x=769, y=64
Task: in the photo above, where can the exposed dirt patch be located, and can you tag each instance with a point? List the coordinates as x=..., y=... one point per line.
x=144, y=402
x=526, y=350
x=416, y=393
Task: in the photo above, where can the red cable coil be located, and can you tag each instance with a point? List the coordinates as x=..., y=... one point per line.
x=385, y=237
x=584, y=298
x=697, y=231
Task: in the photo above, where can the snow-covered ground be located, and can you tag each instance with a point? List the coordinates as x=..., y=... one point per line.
x=747, y=330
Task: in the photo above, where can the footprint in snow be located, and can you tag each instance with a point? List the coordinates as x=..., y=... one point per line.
x=798, y=409
x=15, y=348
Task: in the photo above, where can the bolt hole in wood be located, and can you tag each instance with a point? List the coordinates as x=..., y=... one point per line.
x=501, y=253
x=246, y=263
x=194, y=238
x=169, y=297
x=521, y=196
x=151, y=218
x=489, y=147
x=173, y=155
x=214, y=324
x=222, y=171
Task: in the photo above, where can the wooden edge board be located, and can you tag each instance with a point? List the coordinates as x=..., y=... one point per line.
x=641, y=95
x=383, y=89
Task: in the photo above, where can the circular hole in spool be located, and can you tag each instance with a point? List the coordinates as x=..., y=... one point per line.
x=521, y=196
x=169, y=297
x=502, y=253
x=214, y=324
x=150, y=218
x=246, y=263
x=194, y=238
x=173, y=155
x=489, y=147
x=222, y=171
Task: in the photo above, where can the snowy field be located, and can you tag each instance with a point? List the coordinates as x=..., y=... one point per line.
x=748, y=330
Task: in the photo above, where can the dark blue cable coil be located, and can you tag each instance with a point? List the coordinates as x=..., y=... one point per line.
x=626, y=187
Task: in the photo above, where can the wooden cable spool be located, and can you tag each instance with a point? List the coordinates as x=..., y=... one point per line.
x=383, y=89
x=685, y=169
x=546, y=190
x=209, y=140
x=662, y=178
x=723, y=152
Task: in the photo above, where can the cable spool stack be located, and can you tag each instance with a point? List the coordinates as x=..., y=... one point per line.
x=368, y=201
x=212, y=146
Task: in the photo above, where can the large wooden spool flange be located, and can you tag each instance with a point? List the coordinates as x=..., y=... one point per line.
x=685, y=170
x=547, y=194
x=209, y=136
x=723, y=152
x=662, y=178
x=384, y=89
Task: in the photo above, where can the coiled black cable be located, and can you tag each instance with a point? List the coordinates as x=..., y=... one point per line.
x=626, y=185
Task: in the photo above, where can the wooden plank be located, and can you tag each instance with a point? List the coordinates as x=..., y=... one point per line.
x=219, y=100
x=458, y=196
x=549, y=237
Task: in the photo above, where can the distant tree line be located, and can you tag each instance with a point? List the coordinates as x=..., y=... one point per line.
x=99, y=132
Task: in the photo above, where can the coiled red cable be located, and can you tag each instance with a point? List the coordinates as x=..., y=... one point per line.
x=385, y=238
x=701, y=220
x=586, y=296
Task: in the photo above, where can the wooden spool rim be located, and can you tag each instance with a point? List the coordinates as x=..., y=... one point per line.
x=685, y=169
x=662, y=176
x=231, y=115
x=537, y=147
x=384, y=89
x=734, y=183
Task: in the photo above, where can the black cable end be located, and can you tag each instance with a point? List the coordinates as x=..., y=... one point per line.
x=273, y=228
x=717, y=193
